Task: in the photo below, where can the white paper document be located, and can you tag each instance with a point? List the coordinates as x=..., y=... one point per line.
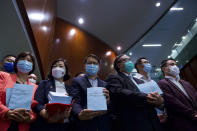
x=20, y=96
x=96, y=100
x=55, y=97
x=149, y=87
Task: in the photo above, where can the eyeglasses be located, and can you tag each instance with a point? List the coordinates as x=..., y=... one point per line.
x=124, y=60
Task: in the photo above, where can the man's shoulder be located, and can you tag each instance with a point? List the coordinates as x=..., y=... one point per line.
x=114, y=76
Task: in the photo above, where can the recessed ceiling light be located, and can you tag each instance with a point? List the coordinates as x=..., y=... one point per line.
x=176, y=9
x=183, y=37
x=130, y=53
x=81, y=21
x=177, y=61
x=119, y=48
x=108, y=53
x=57, y=40
x=158, y=4
x=44, y=28
x=37, y=16
x=72, y=32
x=151, y=45
x=169, y=56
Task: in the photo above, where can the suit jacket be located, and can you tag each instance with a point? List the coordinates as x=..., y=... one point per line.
x=180, y=108
x=79, y=92
x=129, y=105
x=41, y=95
x=7, y=81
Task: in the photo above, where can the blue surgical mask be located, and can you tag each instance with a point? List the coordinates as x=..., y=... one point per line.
x=9, y=67
x=129, y=66
x=147, y=67
x=24, y=66
x=91, y=69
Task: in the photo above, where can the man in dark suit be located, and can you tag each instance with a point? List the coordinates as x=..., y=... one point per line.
x=88, y=120
x=180, y=98
x=132, y=109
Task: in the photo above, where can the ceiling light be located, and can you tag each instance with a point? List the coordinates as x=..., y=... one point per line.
x=72, y=32
x=158, y=4
x=177, y=61
x=151, y=45
x=57, y=40
x=183, y=37
x=81, y=21
x=44, y=28
x=158, y=69
x=169, y=56
x=176, y=9
x=130, y=53
x=108, y=53
x=119, y=48
x=196, y=19
x=36, y=16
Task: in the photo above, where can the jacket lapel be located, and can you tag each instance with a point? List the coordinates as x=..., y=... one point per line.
x=129, y=81
x=177, y=88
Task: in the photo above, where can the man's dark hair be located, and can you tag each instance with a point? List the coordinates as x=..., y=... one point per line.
x=138, y=62
x=66, y=76
x=9, y=55
x=116, y=61
x=93, y=56
x=164, y=62
x=23, y=55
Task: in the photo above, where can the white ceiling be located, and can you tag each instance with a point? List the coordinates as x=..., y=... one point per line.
x=116, y=22
x=167, y=32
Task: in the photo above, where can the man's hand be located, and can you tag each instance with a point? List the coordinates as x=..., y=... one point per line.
x=86, y=114
x=106, y=93
x=155, y=99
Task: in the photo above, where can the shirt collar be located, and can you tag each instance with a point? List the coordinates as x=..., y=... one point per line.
x=171, y=78
x=140, y=76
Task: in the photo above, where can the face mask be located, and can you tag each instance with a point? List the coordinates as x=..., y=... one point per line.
x=129, y=66
x=24, y=66
x=58, y=72
x=91, y=69
x=9, y=67
x=32, y=80
x=147, y=68
x=174, y=70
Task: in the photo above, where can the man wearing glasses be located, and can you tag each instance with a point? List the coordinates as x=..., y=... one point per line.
x=133, y=110
x=180, y=98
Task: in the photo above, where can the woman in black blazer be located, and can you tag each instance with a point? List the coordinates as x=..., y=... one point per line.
x=58, y=75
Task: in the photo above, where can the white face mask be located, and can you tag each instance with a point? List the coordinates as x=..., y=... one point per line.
x=58, y=72
x=32, y=80
x=174, y=70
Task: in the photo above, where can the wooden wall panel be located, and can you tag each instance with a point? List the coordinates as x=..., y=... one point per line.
x=189, y=72
x=42, y=16
x=75, y=48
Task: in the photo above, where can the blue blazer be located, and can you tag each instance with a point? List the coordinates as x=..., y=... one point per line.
x=41, y=96
x=79, y=87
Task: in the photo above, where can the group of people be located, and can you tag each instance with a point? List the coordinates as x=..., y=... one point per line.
x=129, y=109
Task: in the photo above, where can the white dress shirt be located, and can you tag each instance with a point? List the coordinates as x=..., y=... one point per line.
x=60, y=87
x=94, y=83
x=142, y=77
